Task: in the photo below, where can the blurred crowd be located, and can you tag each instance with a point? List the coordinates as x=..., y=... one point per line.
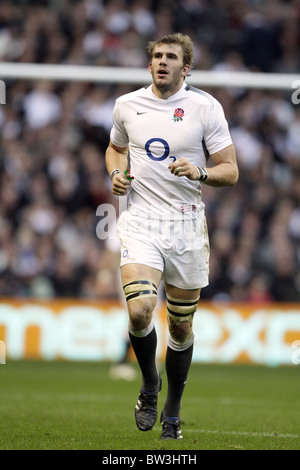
x=54, y=136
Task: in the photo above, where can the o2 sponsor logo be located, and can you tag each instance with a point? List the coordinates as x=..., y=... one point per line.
x=166, y=149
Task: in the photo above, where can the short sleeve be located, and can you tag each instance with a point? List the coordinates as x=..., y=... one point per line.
x=216, y=134
x=118, y=134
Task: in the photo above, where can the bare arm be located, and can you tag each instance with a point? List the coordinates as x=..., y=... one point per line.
x=224, y=172
x=116, y=158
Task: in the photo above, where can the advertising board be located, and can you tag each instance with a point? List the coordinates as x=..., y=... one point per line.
x=95, y=331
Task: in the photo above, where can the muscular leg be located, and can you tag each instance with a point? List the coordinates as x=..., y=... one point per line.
x=141, y=300
x=181, y=306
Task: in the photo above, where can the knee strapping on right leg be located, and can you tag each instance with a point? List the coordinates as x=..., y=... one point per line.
x=180, y=320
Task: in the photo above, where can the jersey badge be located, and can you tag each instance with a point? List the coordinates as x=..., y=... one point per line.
x=178, y=115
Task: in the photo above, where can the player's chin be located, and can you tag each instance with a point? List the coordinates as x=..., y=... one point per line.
x=162, y=82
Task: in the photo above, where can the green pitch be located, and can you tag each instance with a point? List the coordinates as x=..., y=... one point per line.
x=61, y=405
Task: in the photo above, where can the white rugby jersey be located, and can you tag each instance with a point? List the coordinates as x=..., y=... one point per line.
x=189, y=124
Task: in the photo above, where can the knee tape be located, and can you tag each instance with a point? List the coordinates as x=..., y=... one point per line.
x=137, y=289
x=179, y=311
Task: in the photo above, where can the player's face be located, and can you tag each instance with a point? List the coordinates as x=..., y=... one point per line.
x=167, y=69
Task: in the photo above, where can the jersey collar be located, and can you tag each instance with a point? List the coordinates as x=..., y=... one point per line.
x=171, y=98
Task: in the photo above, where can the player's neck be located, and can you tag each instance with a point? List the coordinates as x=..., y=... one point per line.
x=165, y=92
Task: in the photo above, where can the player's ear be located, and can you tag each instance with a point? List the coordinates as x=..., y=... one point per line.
x=186, y=70
x=150, y=67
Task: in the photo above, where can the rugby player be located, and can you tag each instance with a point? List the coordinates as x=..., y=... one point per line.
x=167, y=131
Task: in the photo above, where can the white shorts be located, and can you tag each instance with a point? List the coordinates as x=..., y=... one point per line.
x=178, y=248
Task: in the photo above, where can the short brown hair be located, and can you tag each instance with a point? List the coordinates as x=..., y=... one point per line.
x=177, y=38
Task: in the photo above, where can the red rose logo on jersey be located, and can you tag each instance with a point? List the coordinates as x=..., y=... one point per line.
x=178, y=114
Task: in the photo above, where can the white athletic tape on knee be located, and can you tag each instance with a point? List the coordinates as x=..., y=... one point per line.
x=136, y=289
x=179, y=311
x=180, y=346
x=141, y=333
x=181, y=308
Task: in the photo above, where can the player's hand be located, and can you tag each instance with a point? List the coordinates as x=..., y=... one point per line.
x=182, y=167
x=120, y=184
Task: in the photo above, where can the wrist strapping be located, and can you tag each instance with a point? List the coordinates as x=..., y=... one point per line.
x=203, y=174
x=114, y=172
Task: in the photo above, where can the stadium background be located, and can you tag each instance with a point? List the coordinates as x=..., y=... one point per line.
x=53, y=179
